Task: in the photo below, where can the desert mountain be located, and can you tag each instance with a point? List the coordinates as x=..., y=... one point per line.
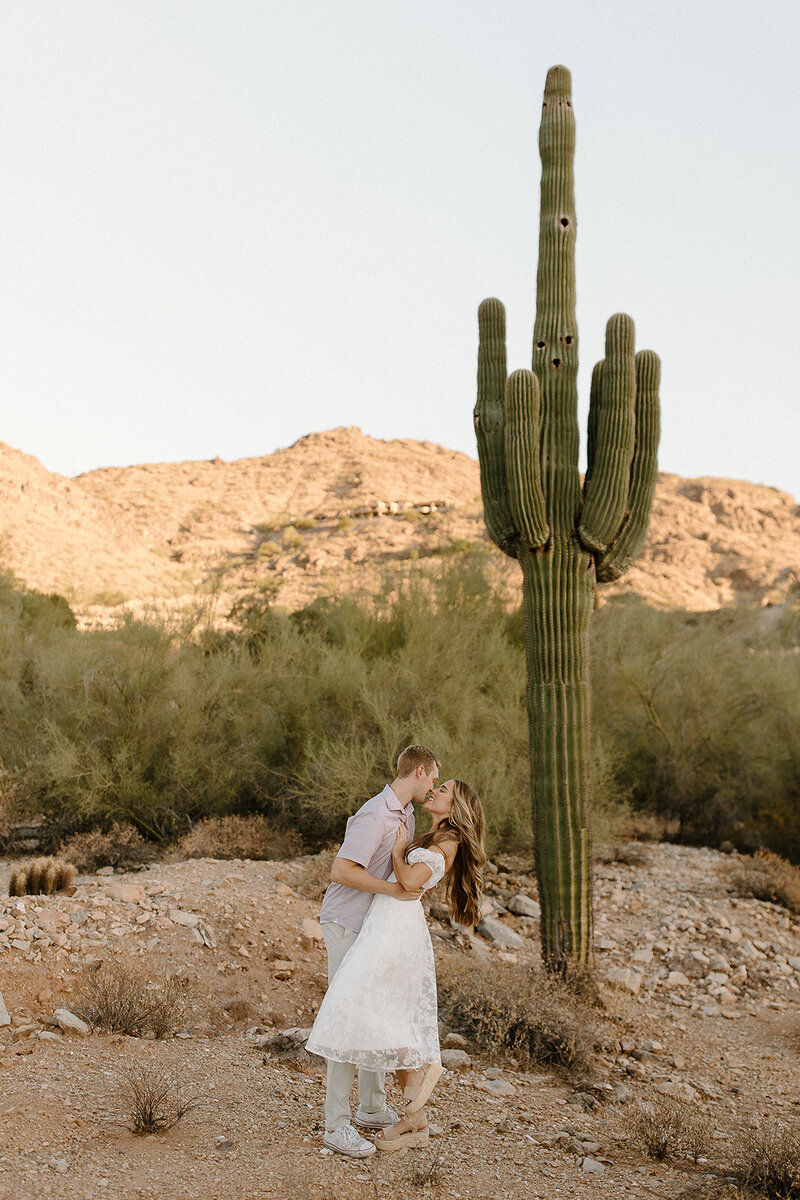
x=335, y=510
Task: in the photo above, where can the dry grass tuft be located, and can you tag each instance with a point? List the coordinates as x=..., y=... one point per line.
x=239, y=837
x=538, y=1020
x=767, y=876
x=768, y=1161
x=155, y=1100
x=664, y=1127
x=121, y=998
x=42, y=877
x=121, y=846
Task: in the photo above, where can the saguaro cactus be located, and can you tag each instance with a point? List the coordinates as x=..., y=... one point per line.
x=564, y=539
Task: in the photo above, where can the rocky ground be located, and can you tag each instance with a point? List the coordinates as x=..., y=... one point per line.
x=701, y=990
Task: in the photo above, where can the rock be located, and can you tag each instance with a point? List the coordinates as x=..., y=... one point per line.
x=456, y=1060
x=23, y=1031
x=500, y=934
x=183, y=918
x=524, y=906
x=454, y=1041
x=311, y=928
x=643, y=955
x=583, y=1100
x=497, y=1087
x=605, y=943
x=677, y=979
x=625, y=978
x=622, y=1093
x=283, y=889
x=591, y=1166
x=127, y=893
x=717, y=977
x=70, y=1023
x=794, y=963
x=677, y=1090
x=47, y=1035
x=282, y=968
x=5, y=1019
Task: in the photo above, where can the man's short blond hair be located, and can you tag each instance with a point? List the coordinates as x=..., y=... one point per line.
x=416, y=756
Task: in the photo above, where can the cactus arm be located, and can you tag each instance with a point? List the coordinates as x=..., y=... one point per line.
x=555, y=331
x=523, y=472
x=595, y=397
x=489, y=418
x=615, y=434
x=644, y=472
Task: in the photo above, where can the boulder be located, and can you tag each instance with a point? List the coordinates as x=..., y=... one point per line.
x=625, y=978
x=500, y=934
x=70, y=1023
x=523, y=906
x=5, y=1019
x=456, y=1060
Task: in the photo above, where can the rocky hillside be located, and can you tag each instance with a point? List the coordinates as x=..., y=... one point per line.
x=337, y=509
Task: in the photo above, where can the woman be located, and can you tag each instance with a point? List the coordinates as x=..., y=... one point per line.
x=380, y=1011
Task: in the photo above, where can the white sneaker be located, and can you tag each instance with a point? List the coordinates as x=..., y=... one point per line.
x=347, y=1140
x=379, y=1120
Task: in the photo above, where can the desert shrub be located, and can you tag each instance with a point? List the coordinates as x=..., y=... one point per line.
x=155, y=1101
x=268, y=549
x=305, y=523
x=291, y=537
x=239, y=837
x=346, y=522
x=120, y=846
x=120, y=997
x=664, y=1127
x=768, y=1161
x=703, y=709
x=514, y=1011
x=767, y=876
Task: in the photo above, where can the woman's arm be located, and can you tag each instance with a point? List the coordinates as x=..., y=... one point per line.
x=414, y=875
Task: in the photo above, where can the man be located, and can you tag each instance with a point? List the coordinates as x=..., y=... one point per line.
x=360, y=871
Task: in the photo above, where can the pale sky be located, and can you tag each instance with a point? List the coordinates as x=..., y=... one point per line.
x=228, y=224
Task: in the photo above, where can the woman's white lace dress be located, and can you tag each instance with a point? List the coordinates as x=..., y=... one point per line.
x=380, y=1010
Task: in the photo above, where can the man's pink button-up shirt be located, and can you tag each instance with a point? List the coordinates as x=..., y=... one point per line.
x=368, y=841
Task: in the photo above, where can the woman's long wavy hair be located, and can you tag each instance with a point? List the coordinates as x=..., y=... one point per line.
x=465, y=878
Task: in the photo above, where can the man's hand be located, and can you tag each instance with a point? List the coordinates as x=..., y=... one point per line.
x=400, y=893
x=400, y=841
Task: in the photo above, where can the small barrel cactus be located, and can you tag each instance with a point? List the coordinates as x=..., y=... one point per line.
x=565, y=538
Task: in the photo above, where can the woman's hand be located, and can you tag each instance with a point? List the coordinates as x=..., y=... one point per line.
x=400, y=842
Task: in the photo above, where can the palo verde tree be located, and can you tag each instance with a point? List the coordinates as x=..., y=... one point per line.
x=565, y=538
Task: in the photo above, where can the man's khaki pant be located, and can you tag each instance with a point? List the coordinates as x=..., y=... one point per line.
x=371, y=1089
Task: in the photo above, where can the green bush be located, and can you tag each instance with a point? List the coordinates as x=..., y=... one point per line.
x=298, y=717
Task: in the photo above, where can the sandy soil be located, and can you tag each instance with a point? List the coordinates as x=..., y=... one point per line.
x=244, y=933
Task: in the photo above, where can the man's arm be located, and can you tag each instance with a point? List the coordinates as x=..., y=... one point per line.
x=353, y=875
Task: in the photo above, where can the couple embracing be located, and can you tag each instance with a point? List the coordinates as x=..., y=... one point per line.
x=380, y=1011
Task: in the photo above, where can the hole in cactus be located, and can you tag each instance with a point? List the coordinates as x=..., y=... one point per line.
x=540, y=345
x=556, y=363
x=568, y=340
x=564, y=222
